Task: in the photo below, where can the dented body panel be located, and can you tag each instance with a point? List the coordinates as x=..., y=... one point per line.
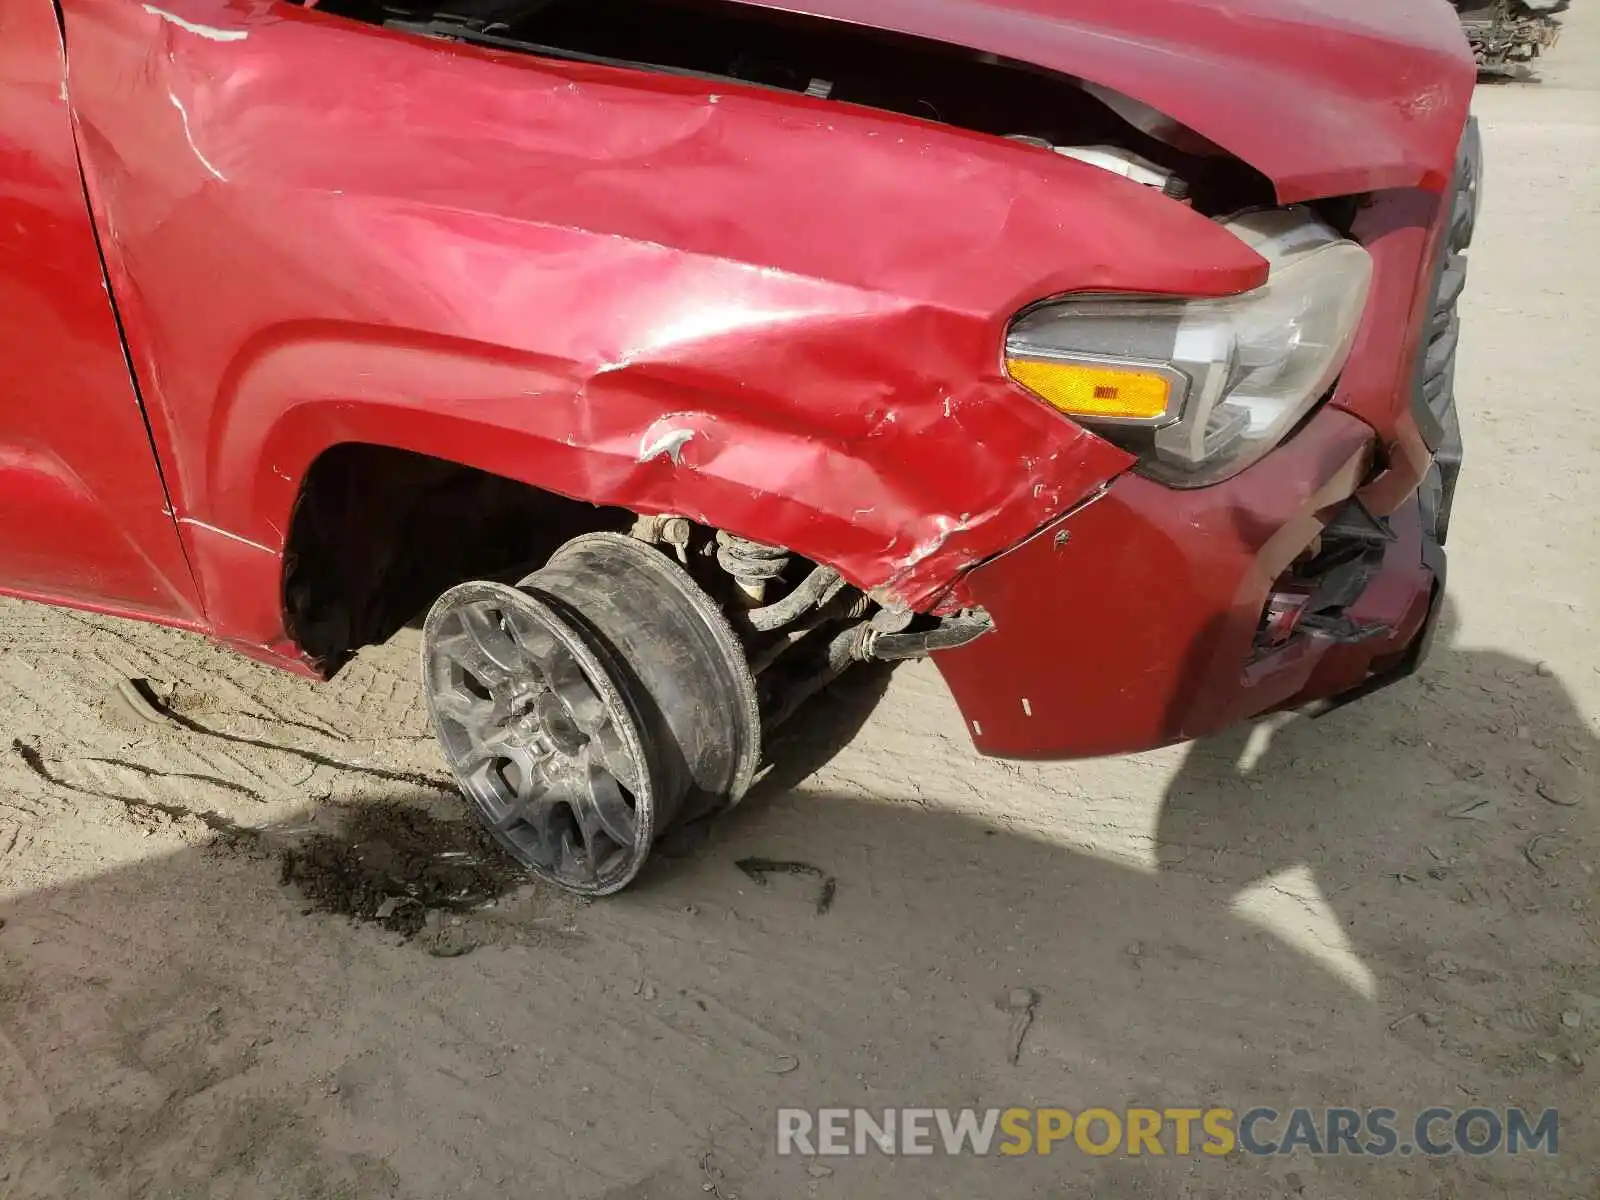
x=780, y=316
x=1159, y=650
x=552, y=276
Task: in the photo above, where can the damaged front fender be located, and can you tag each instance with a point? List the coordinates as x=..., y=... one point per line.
x=780, y=317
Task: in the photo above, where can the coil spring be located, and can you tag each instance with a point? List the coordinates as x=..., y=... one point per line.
x=747, y=561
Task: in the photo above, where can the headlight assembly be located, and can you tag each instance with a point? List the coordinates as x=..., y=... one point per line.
x=1200, y=389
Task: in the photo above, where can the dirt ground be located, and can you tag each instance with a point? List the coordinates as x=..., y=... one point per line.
x=1395, y=906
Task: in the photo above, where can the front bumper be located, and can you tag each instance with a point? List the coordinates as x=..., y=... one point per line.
x=1134, y=621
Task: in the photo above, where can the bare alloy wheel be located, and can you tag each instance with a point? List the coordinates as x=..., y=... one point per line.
x=538, y=737
x=590, y=708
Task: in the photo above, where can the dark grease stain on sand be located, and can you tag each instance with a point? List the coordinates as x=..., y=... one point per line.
x=398, y=866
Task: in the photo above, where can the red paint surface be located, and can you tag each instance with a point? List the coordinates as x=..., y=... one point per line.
x=1134, y=630
x=558, y=268
x=1402, y=231
x=774, y=314
x=83, y=519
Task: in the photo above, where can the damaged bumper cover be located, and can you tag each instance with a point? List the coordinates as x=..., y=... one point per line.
x=1136, y=621
x=1150, y=616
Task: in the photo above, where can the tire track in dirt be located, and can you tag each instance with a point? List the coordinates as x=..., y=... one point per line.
x=230, y=735
x=414, y=778
x=145, y=772
x=34, y=761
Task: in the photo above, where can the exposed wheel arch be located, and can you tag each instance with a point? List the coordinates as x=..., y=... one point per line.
x=377, y=533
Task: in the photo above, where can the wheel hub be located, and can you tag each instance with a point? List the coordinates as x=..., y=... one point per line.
x=550, y=720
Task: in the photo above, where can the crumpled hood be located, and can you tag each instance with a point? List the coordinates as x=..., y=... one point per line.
x=1325, y=97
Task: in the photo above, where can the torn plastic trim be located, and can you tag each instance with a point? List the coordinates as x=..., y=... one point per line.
x=950, y=633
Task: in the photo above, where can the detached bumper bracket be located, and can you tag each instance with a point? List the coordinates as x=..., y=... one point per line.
x=1436, y=561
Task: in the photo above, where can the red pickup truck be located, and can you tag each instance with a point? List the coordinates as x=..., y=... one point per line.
x=681, y=354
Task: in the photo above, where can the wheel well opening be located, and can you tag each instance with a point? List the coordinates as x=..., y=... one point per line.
x=378, y=533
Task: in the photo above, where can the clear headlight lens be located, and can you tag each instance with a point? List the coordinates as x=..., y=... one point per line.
x=1201, y=389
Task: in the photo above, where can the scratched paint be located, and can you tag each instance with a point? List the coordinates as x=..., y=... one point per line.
x=205, y=31
x=609, y=248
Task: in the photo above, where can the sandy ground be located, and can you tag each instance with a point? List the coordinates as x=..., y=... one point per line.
x=1395, y=906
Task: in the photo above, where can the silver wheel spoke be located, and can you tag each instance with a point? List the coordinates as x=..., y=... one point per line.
x=604, y=809
x=500, y=810
x=606, y=750
x=538, y=647
x=469, y=711
x=489, y=640
x=583, y=702
x=469, y=658
x=486, y=745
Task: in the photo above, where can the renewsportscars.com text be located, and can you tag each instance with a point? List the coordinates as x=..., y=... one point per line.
x=1213, y=1132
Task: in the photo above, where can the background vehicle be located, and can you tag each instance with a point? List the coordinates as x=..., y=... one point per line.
x=683, y=355
x=1508, y=35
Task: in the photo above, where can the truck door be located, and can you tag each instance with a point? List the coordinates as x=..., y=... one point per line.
x=84, y=518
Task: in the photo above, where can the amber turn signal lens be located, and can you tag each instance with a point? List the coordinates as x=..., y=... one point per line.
x=1081, y=390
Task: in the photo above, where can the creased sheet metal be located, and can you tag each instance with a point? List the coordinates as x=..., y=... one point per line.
x=777, y=315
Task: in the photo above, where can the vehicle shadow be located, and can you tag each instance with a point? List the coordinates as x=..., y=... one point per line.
x=1479, y=738
x=189, y=1026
